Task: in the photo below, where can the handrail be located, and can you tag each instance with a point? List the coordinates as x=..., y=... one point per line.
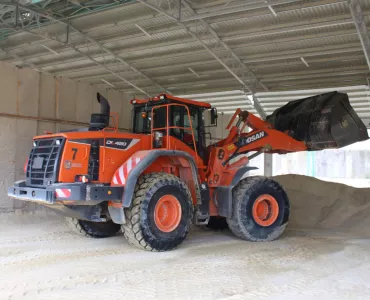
x=167, y=127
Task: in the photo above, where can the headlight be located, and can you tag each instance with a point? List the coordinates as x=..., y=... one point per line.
x=82, y=178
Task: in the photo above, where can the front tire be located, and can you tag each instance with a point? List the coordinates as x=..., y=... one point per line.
x=261, y=210
x=160, y=214
x=93, y=229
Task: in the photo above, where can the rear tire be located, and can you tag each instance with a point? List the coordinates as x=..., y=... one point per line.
x=261, y=210
x=160, y=214
x=93, y=229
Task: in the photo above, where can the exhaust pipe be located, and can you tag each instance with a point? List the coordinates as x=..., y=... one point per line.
x=100, y=121
x=104, y=105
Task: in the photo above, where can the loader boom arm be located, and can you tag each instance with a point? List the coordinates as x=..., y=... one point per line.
x=262, y=138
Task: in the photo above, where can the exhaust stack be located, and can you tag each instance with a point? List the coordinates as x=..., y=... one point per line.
x=100, y=121
x=104, y=105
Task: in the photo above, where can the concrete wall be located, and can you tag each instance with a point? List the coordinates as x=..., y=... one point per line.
x=34, y=97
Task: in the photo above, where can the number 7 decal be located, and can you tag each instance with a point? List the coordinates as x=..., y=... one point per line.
x=74, y=150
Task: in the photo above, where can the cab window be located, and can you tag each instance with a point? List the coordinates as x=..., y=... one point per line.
x=178, y=117
x=144, y=124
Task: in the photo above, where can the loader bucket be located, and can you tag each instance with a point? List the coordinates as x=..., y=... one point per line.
x=323, y=121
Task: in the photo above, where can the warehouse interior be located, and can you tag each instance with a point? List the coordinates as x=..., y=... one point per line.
x=256, y=55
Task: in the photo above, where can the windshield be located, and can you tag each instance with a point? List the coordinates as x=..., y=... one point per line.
x=143, y=125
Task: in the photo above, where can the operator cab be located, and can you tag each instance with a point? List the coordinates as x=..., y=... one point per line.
x=178, y=117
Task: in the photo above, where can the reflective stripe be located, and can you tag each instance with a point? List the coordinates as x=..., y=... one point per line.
x=129, y=165
x=63, y=193
x=121, y=175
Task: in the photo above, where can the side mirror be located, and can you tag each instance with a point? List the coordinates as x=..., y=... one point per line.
x=214, y=116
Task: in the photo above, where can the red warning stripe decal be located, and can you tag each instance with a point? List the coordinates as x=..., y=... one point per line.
x=63, y=193
x=121, y=174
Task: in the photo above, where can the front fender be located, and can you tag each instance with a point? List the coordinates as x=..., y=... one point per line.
x=128, y=174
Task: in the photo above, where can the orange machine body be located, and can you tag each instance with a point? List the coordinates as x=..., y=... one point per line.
x=118, y=153
x=75, y=157
x=160, y=177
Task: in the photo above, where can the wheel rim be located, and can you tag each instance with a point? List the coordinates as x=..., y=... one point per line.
x=167, y=213
x=265, y=210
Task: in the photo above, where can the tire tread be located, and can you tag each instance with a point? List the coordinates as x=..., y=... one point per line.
x=132, y=229
x=85, y=230
x=246, y=186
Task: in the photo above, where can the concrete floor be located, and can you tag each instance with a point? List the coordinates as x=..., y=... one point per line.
x=43, y=260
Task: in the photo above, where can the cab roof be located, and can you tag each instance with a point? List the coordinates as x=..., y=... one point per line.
x=163, y=97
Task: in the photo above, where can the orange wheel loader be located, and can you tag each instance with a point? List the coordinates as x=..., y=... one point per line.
x=158, y=179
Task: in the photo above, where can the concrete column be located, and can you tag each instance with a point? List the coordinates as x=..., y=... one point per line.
x=267, y=165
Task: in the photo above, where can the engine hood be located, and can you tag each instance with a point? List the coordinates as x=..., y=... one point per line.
x=93, y=135
x=109, y=139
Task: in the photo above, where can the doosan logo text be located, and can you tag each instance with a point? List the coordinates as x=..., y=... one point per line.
x=250, y=139
x=255, y=137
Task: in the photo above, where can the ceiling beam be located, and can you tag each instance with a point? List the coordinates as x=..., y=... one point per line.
x=172, y=10
x=330, y=79
x=225, y=10
x=257, y=105
x=24, y=62
x=295, y=70
x=196, y=62
x=228, y=85
x=231, y=62
x=294, y=26
x=216, y=47
x=363, y=34
x=247, y=32
x=27, y=20
x=132, y=50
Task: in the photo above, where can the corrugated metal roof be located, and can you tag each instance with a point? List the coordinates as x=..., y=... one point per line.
x=225, y=102
x=319, y=31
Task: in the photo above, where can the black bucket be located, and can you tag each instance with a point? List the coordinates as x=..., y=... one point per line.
x=322, y=122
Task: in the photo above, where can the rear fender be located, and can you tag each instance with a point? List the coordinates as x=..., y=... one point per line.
x=129, y=172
